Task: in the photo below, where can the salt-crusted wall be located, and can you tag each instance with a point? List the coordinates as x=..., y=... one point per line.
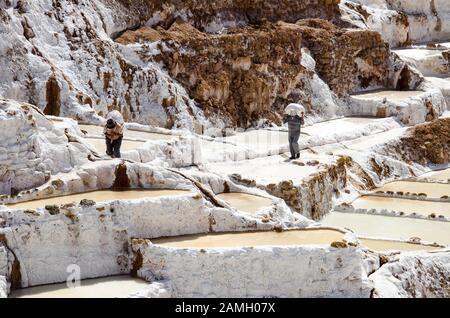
x=31, y=148
x=295, y=271
x=418, y=275
x=402, y=22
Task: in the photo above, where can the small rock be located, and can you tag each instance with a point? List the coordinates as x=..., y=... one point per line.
x=338, y=244
x=86, y=202
x=278, y=229
x=32, y=212
x=52, y=209
x=313, y=163
x=383, y=259
x=414, y=240
x=57, y=183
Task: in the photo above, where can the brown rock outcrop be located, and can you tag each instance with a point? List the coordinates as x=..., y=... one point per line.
x=237, y=75
x=427, y=143
x=253, y=72
x=346, y=59
x=212, y=15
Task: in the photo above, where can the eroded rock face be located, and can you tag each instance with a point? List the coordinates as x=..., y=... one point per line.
x=313, y=196
x=402, y=22
x=347, y=60
x=238, y=75
x=32, y=148
x=413, y=275
x=59, y=56
x=425, y=144
x=212, y=16
x=248, y=73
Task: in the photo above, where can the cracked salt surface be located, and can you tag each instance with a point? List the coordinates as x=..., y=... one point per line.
x=108, y=287
x=249, y=239
x=97, y=196
x=379, y=226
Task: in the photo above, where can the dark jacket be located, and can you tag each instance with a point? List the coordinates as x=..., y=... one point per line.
x=294, y=122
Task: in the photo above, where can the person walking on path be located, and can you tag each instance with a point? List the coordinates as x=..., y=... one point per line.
x=294, y=117
x=113, y=132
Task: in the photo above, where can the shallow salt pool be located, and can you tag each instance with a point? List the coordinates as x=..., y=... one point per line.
x=432, y=190
x=109, y=287
x=249, y=239
x=388, y=94
x=245, y=202
x=402, y=205
x=385, y=245
x=97, y=196
x=397, y=228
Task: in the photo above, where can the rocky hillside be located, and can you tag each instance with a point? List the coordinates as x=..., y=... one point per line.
x=190, y=64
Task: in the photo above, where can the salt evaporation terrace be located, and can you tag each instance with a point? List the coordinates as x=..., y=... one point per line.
x=98, y=196
x=430, y=190
x=438, y=176
x=406, y=206
x=205, y=185
x=379, y=226
x=109, y=287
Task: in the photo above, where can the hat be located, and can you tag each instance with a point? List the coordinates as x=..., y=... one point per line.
x=110, y=123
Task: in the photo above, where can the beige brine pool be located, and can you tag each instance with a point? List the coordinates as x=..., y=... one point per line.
x=249, y=239
x=109, y=287
x=97, y=196
x=245, y=202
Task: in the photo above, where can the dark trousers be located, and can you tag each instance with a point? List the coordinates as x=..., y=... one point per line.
x=293, y=142
x=113, y=147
